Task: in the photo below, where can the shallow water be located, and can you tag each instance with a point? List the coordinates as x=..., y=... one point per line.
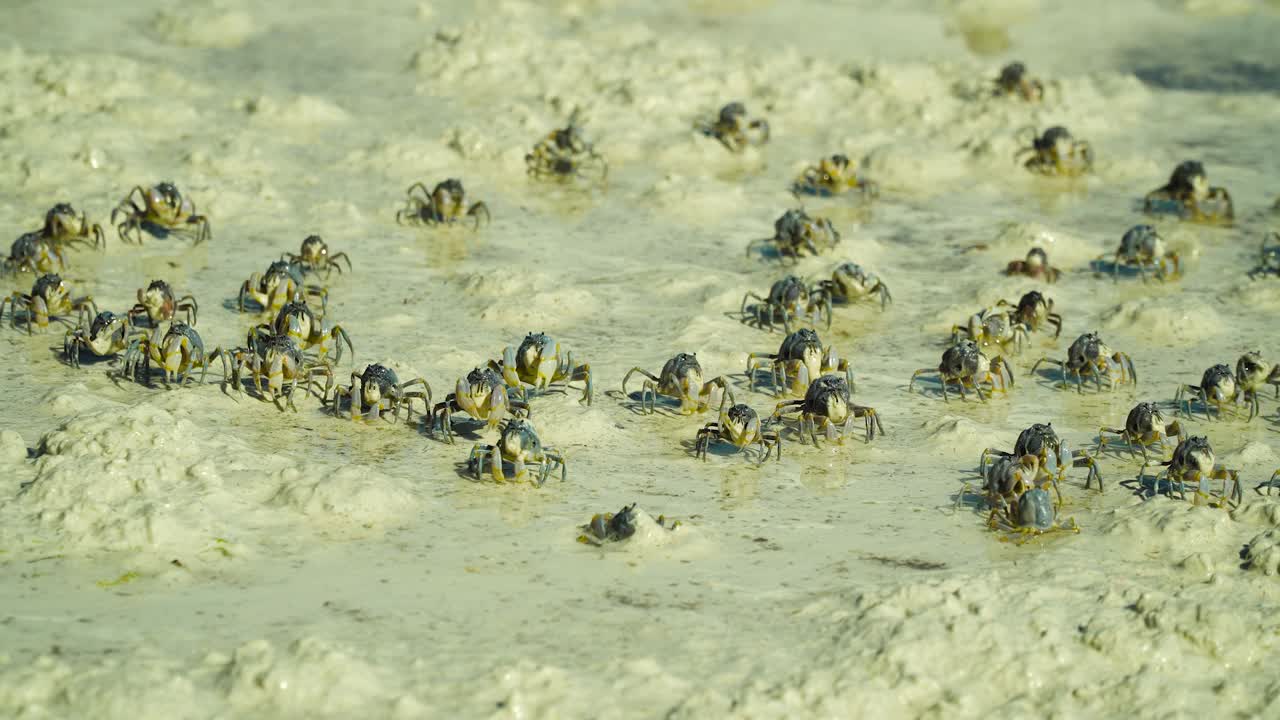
x=188, y=554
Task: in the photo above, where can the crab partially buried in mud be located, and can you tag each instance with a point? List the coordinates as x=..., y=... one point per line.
x=49, y=299
x=566, y=154
x=800, y=360
x=1055, y=152
x=680, y=378
x=1190, y=195
x=740, y=426
x=795, y=235
x=826, y=406
x=446, y=204
x=833, y=176
x=735, y=129
x=518, y=447
x=1035, y=266
x=1143, y=247
x=482, y=394
x=160, y=207
x=1089, y=357
x=964, y=365
x=379, y=389
x=617, y=527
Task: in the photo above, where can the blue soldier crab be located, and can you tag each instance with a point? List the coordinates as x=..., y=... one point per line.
x=273, y=360
x=62, y=226
x=826, y=406
x=832, y=176
x=107, y=335
x=1033, y=310
x=799, y=361
x=378, y=388
x=177, y=353
x=482, y=394
x=965, y=365
x=49, y=300
x=1055, y=152
x=740, y=426
x=32, y=252
x=1143, y=247
x=1053, y=457
x=314, y=257
x=159, y=303
x=681, y=378
x=539, y=362
x=1193, y=463
x=1145, y=426
x=565, y=153
x=297, y=320
x=446, y=204
x=282, y=283
x=795, y=234
x=734, y=129
x=518, y=446
x=1017, y=493
x=1089, y=357
x=789, y=301
x=1188, y=191
x=161, y=206
x=850, y=282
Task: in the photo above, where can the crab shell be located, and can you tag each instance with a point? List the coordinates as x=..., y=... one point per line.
x=158, y=300
x=681, y=377
x=106, y=332
x=174, y=357
x=167, y=204
x=481, y=394
x=1035, y=510
x=1193, y=455
x=1146, y=420
x=741, y=424
x=519, y=441
x=828, y=396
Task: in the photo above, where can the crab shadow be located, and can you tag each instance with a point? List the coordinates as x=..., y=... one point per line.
x=632, y=402
x=721, y=449
x=464, y=428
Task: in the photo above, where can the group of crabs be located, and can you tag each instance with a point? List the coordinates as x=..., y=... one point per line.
x=298, y=346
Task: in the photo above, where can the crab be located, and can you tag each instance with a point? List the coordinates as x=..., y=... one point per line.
x=314, y=256
x=282, y=283
x=62, y=226
x=789, y=301
x=616, y=527
x=997, y=325
x=1019, y=500
x=1194, y=463
x=107, y=335
x=379, y=388
x=1143, y=247
x=826, y=405
x=1217, y=388
x=32, y=252
x=1268, y=260
x=832, y=176
x=273, y=360
x=1033, y=310
x=1189, y=191
x=795, y=234
x=49, y=300
x=519, y=446
x=1145, y=426
x=1089, y=356
x=160, y=206
x=1274, y=482
x=734, y=129
x=849, y=282
x=965, y=365
x=482, y=394
x=298, y=321
x=799, y=361
x=1252, y=372
x=1014, y=80
x=565, y=153
x=740, y=426
x=159, y=303
x=538, y=361
x=681, y=378
x=444, y=205
x=1053, y=456
x=1055, y=152
x=1036, y=266
x=179, y=351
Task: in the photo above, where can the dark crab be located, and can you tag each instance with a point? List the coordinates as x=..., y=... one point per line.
x=1217, y=388
x=518, y=446
x=1268, y=257
x=800, y=360
x=1034, y=310
x=63, y=226
x=1089, y=357
x=34, y=253
x=483, y=394
x=964, y=364
x=1189, y=191
x=1252, y=372
x=1035, y=266
x=314, y=257
x=1194, y=463
x=106, y=336
x=1144, y=427
x=281, y=284
x=160, y=206
x=49, y=300
x=1143, y=247
x=826, y=406
x=796, y=234
x=1015, y=80
x=272, y=361
x=681, y=378
x=446, y=204
x=790, y=300
x=1055, y=152
x=297, y=320
x=540, y=362
x=734, y=129
x=159, y=303
x=378, y=388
